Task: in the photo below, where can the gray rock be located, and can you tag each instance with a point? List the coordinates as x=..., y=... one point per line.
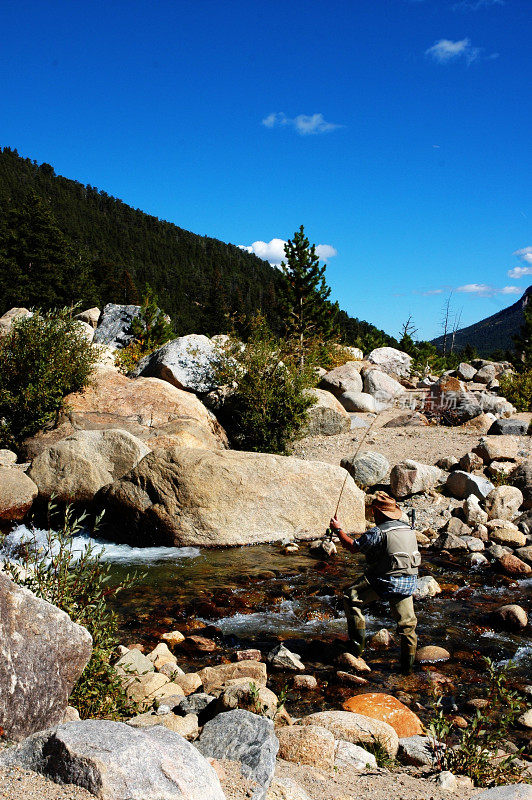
x=474, y=545
x=457, y=527
x=485, y=374
x=352, y=755
x=496, y=405
x=7, y=458
x=448, y=541
x=508, y=427
x=345, y=378
x=417, y=750
x=282, y=658
x=497, y=550
x=382, y=387
x=474, y=514
x=478, y=560
x=392, y=361
x=359, y=401
x=194, y=704
x=514, y=791
x=118, y=762
x=412, y=419
x=525, y=553
x=503, y=502
x=368, y=468
x=462, y=484
x=327, y=417
x=411, y=477
x=465, y=372
x=186, y=362
x=427, y=586
x=244, y=737
x=114, y=327
x=42, y=654
x=77, y=467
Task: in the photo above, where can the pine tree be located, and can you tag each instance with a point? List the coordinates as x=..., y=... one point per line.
x=304, y=295
x=523, y=340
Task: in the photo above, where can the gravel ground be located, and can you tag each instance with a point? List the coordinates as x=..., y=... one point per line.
x=426, y=444
x=21, y=784
x=348, y=784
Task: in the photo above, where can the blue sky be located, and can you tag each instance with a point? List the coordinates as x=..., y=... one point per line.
x=396, y=131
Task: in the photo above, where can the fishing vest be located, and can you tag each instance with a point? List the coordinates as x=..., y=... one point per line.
x=400, y=554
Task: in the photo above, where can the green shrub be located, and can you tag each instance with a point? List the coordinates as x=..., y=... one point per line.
x=42, y=359
x=79, y=584
x=151, y=329
x=473, y=751
x=265, y=406
x=517, y=389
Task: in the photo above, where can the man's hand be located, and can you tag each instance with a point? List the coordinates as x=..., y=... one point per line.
x=334, y=525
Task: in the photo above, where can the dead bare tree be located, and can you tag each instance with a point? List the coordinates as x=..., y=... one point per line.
x=408, y=329
x=456, y=326
x=446, y=321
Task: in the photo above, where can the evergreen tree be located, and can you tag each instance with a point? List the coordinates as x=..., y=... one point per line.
x=304, y=295
x=37, y=264
x=523, y=340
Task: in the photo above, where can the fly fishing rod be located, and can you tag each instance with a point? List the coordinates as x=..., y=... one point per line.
x=329, y=532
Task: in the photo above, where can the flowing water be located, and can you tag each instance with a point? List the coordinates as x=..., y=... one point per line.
x=256, y=596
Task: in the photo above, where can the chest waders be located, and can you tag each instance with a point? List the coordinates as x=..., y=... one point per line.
x=398, y=556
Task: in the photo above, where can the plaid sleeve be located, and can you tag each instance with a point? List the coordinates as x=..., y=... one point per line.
x=369, y=540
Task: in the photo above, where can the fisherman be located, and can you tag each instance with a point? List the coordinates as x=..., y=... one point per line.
x=392, y=561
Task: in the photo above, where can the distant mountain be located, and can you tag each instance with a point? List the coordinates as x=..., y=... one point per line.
x=62, y=241
x=493, y=333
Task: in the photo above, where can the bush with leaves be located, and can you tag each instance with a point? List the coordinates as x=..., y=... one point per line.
x=517, y=388
x=78, y=582
x=265, y=405
x=42, y=359
x=473, y=751
x=150, y=328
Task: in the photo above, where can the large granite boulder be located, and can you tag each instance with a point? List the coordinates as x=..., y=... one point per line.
x=359, y=401
x=343, y=379
x=114, y=761
x=244, y=737
x=367, y=468
x=382, y=386
x=74, y=469
x=411, y=477
x=191, y=496
x=150, y=409
x=114, y=325
x=17, y=493
x=186, y=362
x=327, y=416
x=496, y=405
x=392, y=361
x=42, y=654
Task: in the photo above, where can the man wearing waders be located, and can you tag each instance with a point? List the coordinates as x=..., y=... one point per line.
x=392, y=560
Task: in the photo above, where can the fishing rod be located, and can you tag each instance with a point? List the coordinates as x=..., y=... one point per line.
x=329, y=532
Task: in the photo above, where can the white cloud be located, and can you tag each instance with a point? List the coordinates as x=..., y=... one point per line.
x=525, y=254
x=446, y=50
x=519, y=272
x=325, y=251
x=485, y=290
x=304, y=124
x=432, y=291
x=273, y=251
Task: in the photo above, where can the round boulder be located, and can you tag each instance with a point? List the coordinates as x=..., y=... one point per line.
x=367, y=469
x=503, y=502
x=345, y=378
x=327, y=416
x=392, y=361
x=511, y=616
x=17, y=493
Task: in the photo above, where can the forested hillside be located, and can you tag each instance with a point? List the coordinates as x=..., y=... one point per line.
x=61, y=241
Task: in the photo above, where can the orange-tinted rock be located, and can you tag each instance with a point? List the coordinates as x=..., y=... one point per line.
x=387, y=709
x=200, y=643
x=512, y=565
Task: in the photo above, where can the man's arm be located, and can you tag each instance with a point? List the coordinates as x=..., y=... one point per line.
x=347, y=541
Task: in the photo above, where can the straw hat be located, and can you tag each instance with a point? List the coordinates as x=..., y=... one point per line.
x=386, y=505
